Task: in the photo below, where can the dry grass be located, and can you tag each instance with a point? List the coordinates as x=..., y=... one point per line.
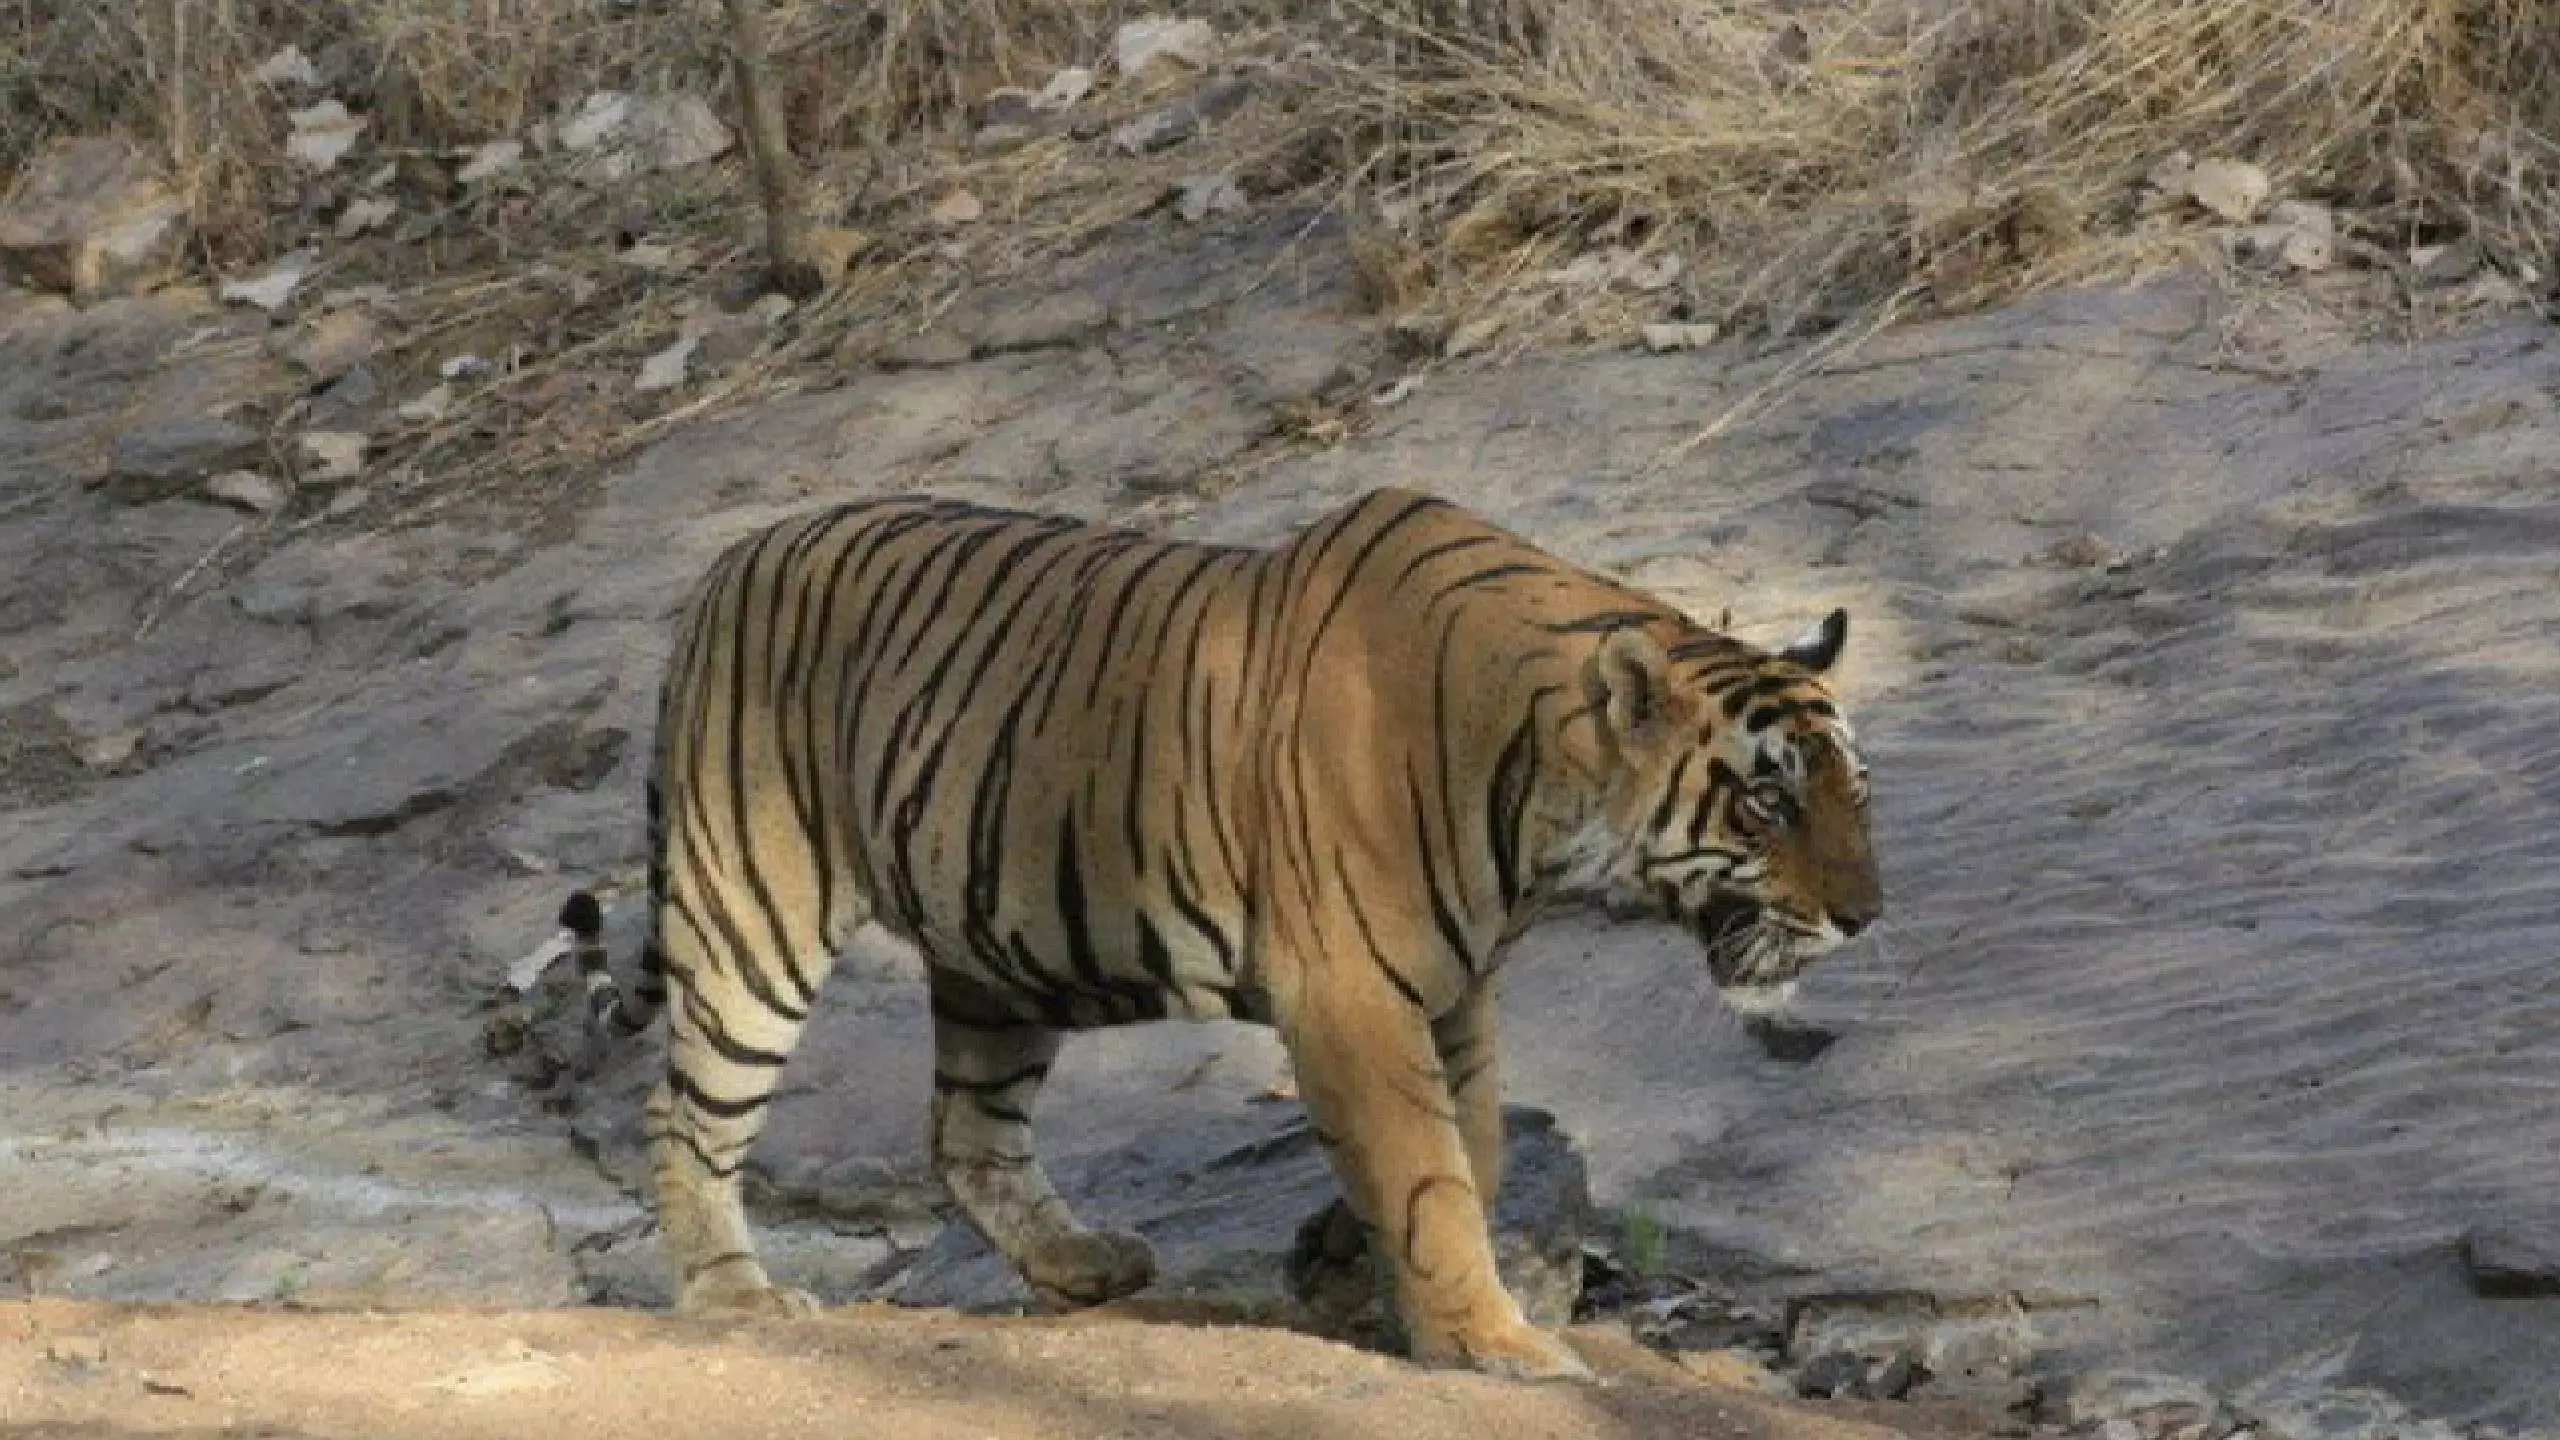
x=1799, y=156
x=434, y=75
x=1776, y=167
x=1810, y=158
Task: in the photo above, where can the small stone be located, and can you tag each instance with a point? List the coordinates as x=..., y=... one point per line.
x=1648, y=273
x=1156, y=130
x=2507, y=1264
x=364, y=215
x=1206, y=195
x=1474, y=335
x=288, y=66
x=1397, y=393
x=667, y=369
x=2310, y=240
x=675, y=132
x=271, y=291
x=656, y=257
x=635, y=135
x=248, y=490
x=1666, y=336
x=428, y=407
x=330, y=457
x=958, y=208
x=597, y=118
x=1064, y=88
x=1002, y=139
x=2120, y=1429
x=2234, y=190
x=323, y=134
x=490, y=161
x=833, y=249
x=91, y=218
x=333, y=344
x=771, y=307
x=462, y=367
x=106, y=753
x=1156, y=43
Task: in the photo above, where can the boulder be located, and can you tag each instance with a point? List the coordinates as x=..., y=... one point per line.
x=2510, y=1263
x=91, y=218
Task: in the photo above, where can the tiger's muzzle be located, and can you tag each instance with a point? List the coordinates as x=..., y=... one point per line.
x=1755, y=948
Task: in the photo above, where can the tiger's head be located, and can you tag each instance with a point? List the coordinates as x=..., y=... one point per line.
x=1736, y=803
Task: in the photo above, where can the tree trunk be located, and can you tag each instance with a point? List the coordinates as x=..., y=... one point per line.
x=792, y=266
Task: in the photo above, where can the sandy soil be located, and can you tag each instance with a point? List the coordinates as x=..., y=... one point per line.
x=90, y=1371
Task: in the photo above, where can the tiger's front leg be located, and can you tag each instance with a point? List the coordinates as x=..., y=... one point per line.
x=1330, y=1267
x=985, y=1080
x=1375, y=1086
x=1465, y=1039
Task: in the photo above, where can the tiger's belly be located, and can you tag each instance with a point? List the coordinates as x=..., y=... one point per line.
x=1088, y=970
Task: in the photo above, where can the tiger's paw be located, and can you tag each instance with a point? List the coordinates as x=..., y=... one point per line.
x=730, y=1297
x=1088, y=1267
x=1514, y=1351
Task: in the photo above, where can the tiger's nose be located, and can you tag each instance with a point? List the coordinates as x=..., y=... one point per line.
x=1852, y=922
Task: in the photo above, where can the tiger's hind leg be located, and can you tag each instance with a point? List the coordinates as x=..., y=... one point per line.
x=985, y=1081
x=736, y=1016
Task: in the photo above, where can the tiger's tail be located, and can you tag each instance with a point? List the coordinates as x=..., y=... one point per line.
x=611, y=1014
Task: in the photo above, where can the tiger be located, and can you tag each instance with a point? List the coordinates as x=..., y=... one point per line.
x=1099, y=778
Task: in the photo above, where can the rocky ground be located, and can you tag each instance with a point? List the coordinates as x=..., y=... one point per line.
x=2205, y=1076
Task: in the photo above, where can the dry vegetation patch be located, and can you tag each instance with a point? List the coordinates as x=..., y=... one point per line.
x=1511, y=172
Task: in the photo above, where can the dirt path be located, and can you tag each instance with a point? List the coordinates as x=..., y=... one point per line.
x=72, y=1369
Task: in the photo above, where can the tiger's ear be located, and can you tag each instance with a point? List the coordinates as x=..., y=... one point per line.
x=1629, y=680
x=1818, y=649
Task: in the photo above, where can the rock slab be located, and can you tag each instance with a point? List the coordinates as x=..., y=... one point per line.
x=91, y=219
